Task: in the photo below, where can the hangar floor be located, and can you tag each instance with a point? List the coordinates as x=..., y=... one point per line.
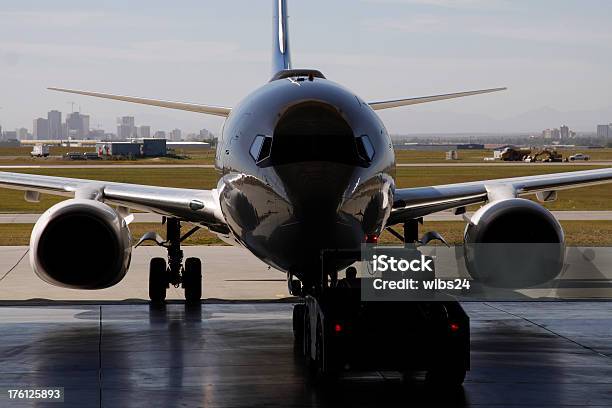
x=241, y=355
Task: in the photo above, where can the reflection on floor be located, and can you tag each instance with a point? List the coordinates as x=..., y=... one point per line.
x=231, y=355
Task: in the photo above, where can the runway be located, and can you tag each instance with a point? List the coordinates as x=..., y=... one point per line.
x=241, y=355
x=14, y=218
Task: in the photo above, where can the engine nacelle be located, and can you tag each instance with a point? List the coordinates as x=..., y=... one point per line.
x=514, y=243
x=81, y=244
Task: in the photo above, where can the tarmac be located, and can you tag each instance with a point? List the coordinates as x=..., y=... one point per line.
x=229, y=273
x=233, y=273
x=242, y=355
x=110, y=348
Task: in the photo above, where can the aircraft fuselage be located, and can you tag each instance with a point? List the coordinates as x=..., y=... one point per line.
x=306, y=165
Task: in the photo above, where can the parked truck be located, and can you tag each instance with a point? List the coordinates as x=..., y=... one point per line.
x=40, y=150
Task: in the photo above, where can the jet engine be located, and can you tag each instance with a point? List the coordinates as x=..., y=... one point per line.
x=514, y=243
x=81, y=244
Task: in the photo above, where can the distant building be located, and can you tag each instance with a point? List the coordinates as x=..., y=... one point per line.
x=96, y=134
x=144, y=131
x=125, y=149
x=160, y=134
x=188, y=145
x=54, y=119
x=603, y=132
x=77, y=125
x=439, y=146
x=10, y=135
x=40, y=129
x=205, y=134
x=564, y=132
x=547, y=134
x=556, y=134
x=194, y=137
x=22, y=134
x=126, y=128
x=176, y=135
x=152, y=147
x=147, y=147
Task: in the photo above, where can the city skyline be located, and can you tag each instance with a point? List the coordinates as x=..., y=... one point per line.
x=77, y=127
x=553, y=56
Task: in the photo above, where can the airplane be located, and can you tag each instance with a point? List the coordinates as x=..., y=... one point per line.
x=306, y=165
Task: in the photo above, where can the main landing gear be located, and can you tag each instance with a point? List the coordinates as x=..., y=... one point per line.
x=162, y=274
x=335, y=331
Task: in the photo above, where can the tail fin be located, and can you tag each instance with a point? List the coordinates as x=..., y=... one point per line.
x=281, y=57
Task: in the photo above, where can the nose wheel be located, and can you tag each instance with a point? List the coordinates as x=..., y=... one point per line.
x=162, y=274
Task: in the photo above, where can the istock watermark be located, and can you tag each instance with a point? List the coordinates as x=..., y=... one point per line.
x=383, y=263
x=485, y=272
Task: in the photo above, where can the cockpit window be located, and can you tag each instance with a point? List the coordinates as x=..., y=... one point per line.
x=365, y=148
x=314, y=131
x=260, y=149
x=256, y=147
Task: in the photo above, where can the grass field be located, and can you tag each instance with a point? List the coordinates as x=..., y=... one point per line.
x=478, y=156
x=578, y=233
x=580, y=199
x=21, y=156
x=588, y=198
x=12, y=200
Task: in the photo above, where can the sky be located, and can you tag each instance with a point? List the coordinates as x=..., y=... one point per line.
x=554, y=56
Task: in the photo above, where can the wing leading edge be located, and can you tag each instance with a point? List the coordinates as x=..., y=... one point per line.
x=197, y=206
x=410, y=203
x=185, y=106
x=394, y=103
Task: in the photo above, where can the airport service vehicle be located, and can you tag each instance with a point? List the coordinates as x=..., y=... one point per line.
x=335, y=331
x=341, y=333
x=91, y=156
x=40, y=150
x=579, y=156
x=545, y=155
x=306, y=165
x=514, y=154
x=74, y=156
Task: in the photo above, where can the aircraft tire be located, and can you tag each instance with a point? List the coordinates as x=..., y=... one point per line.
x=298, y=324
x=158, y=281
x=192, y=280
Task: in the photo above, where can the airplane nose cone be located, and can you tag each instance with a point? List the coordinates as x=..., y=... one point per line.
x=316, y=190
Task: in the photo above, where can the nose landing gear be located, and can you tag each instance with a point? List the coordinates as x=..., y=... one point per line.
x=162, y=274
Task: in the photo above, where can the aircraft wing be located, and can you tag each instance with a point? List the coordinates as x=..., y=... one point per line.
x=410, y=203
x=196, y=206
x=191, y=107
x=394, y=103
